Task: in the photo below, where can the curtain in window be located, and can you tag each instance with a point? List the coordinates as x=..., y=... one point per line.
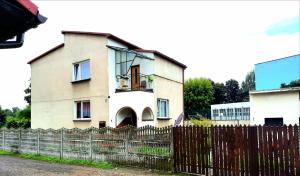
x=78, y=110
x=76, y=72
x=86, y=109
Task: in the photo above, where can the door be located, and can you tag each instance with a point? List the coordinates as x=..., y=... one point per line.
x=135, y=77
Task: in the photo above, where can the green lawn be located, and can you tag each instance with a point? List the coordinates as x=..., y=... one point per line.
x=51, y=159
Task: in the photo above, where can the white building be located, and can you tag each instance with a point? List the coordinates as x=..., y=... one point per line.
x=275, y=107
x=231, y=113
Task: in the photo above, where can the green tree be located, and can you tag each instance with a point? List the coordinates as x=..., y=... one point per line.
x=27, y=96
x=2, y=117
x=295, y=83
x=233, y=91
x=198, y=96
x=247, y=85
x=21, y=119
x=219, y=93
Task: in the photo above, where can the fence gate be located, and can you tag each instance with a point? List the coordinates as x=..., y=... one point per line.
x=239, y=150
x=192, y=150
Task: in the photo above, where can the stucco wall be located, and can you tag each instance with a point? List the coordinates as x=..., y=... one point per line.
x=272, y=105
x=173, y=91
x=53, y=94
x=167, y=69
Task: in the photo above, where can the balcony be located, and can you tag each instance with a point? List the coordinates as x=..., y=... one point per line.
x=135, y=82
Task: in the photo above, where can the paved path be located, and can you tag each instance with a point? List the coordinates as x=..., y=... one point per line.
x=13, y=166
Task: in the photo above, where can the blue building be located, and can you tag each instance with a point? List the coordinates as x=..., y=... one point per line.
x=271, y=74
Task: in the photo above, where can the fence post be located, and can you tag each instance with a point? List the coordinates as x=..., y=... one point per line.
x=20, y=141
x=126, y=149
x=172, y=155
x=3, y=139
x=91, y=142
x=38, y=141
x=61, y=143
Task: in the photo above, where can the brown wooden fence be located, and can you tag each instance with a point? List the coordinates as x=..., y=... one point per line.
x=237, y=150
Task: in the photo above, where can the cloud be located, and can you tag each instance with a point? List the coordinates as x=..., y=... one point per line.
x=287, y=26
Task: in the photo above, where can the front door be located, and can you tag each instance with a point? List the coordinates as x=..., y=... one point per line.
x=135, y=77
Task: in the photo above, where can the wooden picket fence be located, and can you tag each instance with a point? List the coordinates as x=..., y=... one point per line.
x=147, y=146
x=239, y=150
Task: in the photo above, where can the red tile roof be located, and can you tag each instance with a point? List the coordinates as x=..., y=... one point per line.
x=108, y=35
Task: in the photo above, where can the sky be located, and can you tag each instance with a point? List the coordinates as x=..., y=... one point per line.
x=220, y=40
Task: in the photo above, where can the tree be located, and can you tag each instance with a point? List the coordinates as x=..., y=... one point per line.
x=295, y=83
x=232, y=91
x=198, y=96
x=2, y=117
x=247, y=85
x=219, y=93
x=27, y=96
x=20, y=120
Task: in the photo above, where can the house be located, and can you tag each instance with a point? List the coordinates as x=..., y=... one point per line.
x=97, y=79
x=231, y=113
x=271, y=104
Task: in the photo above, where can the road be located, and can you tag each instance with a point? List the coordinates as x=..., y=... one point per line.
x=13, y=166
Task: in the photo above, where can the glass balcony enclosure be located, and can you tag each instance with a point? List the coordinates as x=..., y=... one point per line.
x=133, y=71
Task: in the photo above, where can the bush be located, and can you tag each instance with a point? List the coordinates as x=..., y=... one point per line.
x=201, y=121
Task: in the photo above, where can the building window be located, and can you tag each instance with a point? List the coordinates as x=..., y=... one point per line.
x=124, y=61
x=223, y=114
x=229, y=114
x=162, y=107
x=246, y=114
x=83, y=109
x=81, y=70
x=215, y=114
x=273, y=121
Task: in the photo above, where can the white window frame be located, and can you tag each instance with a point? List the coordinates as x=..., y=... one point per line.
x=158, y=108
x=81, y=111
x=79, y=70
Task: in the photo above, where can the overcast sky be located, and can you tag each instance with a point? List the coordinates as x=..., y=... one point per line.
x=219, y=40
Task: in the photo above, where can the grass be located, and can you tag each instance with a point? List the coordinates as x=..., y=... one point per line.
x=158, y=151
x=51, y=159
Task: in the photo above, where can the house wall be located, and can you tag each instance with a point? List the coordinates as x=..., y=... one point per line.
x=271, y=74
x=168, y=84
x=53, y=94
x=136, y=100
x=276, y=104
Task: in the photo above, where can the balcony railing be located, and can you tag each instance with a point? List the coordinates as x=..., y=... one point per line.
x=139, y=82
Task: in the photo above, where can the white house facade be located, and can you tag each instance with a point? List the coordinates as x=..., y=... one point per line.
x=275, y=107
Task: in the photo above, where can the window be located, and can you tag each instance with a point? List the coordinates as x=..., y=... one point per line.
x=163, y=108
x=273, y=121
x=223, y=114
x=123, y=61
x=215, y=114
x=81, y=70
x=229, y=114
x=246, y=114
x=83, y=110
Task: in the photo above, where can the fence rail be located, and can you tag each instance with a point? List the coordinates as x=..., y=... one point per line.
x=147, y=146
